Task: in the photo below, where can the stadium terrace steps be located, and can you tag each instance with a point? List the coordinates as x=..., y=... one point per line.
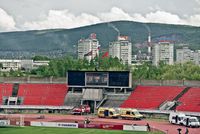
x=182, y=93
x=190, y=101
x=73, y=99
x=5, y=91
x=43, y=94
x=151, y=97
x=115, y=100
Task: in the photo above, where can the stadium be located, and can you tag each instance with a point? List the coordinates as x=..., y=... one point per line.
x=50, y=102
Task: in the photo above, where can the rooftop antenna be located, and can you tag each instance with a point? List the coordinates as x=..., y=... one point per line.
x=149, y=43
x=149, y=38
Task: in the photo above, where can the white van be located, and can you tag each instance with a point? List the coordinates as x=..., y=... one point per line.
x=182, y=119
x=191, y=122
x=176, y=118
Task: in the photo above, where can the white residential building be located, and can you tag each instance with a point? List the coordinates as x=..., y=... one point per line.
x=8, y=65
x=37, y=64
x=163, y=51
x=88, y=48
x=197, y=57
x=122, y=49
x=26, y=64
x=185, y=55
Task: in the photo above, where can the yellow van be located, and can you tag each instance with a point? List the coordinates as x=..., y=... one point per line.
x=129, y=113
x=108, y=112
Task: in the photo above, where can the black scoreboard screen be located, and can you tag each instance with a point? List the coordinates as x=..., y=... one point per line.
x=117, y=79
x=96, y=79
x=76, y=78
x=99, y=78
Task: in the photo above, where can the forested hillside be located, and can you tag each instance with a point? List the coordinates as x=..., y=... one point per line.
x=59, y=42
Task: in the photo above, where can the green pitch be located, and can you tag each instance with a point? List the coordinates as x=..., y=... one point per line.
x=42, y=130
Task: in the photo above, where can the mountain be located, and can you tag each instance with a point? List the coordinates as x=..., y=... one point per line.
x=59, y=42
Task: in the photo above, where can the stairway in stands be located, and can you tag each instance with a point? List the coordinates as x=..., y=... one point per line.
x=171, y=105
x=190, y=101
x=5, y=92
x=151, y=97
x=15, y=90
x=181, y=94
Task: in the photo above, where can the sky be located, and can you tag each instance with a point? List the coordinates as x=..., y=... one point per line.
x=20, y=15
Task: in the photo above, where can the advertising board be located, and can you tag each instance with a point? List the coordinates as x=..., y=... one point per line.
x=134, y=128
x=54, y=124
x=4, y=122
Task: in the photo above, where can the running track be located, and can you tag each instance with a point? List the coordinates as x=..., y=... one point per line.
x=162, y=125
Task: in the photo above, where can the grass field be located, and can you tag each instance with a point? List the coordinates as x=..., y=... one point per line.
x=42, y=130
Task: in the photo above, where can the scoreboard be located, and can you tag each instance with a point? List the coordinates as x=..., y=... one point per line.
x=96, y=79
x=120, y=79
x=76, y=78
x=99, y=78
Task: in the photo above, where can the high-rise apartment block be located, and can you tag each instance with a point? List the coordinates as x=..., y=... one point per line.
x=163, y=51
x=187, y=55
x=122, y=49
x=88, y=48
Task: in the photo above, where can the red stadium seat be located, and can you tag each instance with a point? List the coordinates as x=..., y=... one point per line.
x=151, y=97
x=190, y=101
x=5, y=91
x=43, y=94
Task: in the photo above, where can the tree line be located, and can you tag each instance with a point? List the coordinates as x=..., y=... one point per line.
x=186, y=71
x=59, y=66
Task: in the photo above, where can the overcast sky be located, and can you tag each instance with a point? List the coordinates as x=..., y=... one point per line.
x=46, y=14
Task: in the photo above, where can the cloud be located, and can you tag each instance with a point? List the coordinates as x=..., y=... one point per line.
x=7, y=22
x=154, y=8
x=194, y=20
x=197, y=9
x=62, y=19
x=66, y=19
x=198, y=1
x=115, y=14
x=167, y=18
x=163, y=17
x=154, y=16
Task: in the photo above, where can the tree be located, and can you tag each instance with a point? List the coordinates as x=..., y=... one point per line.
x=1, y=65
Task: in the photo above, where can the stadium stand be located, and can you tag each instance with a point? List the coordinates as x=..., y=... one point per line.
x=151, y=97
x=73, y=99
x=5, y=91
x=142, y=97
x=190, y=101
x=115, y=100
x=43, y=94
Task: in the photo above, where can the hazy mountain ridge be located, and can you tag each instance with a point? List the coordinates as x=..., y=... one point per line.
x=64, y=41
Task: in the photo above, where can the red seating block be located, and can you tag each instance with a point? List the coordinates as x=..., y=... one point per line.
x=43, y=94
x=190, y=100
x=5, y=91
x=151, y=97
